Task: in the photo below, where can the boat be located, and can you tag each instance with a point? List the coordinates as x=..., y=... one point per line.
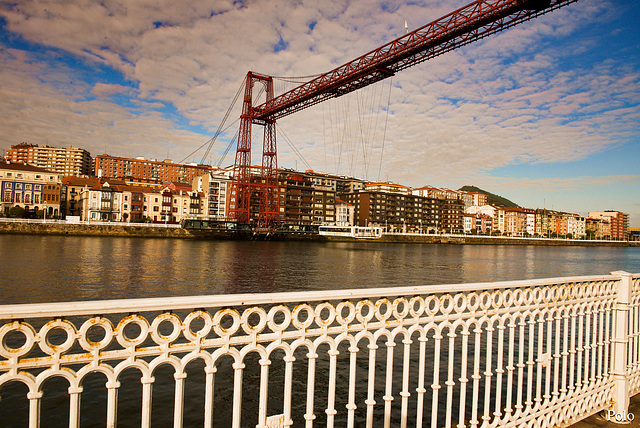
x=355, y=232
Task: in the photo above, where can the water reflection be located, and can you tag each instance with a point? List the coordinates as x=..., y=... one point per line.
x=61, y=268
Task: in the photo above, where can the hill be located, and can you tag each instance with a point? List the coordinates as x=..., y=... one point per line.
x=492, y=199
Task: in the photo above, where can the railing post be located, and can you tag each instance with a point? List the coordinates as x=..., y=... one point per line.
x=620, y=344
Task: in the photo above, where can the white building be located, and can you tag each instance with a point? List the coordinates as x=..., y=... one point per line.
x=101, y=203
x=345, y=213
x=576, y=226
x=215, y=188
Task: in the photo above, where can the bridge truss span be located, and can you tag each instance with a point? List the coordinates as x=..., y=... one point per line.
x=472, y=22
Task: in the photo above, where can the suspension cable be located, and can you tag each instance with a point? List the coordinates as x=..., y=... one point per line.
x=293, y=147
x=384, y=133
x=219, y=131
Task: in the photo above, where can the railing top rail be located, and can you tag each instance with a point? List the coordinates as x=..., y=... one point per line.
x=102, y=307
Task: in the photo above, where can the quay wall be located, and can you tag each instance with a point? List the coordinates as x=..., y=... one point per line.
x=132, y=230
x=106, y=229
x=493, y=240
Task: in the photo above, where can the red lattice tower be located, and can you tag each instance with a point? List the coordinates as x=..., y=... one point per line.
x=244, y=181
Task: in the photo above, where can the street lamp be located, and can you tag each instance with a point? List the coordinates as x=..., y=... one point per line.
x=44, y=212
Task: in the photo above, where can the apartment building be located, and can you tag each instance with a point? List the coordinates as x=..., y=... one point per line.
x=149, y=171
x=296, y=193
x=437, y=192
x=215, y=187
x=478, y=223
x=451, y=212
x=598, y=228
x=101, y=202
x=29, y=187
x=619, y=222
x=63, y=161
x=473, y=199
x=395, y=212
x=515, y=220
x=344, y=213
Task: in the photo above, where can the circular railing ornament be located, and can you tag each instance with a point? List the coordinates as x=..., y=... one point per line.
x=121, y=334
x=92, y=323
x=29, y=339
x=45, y=338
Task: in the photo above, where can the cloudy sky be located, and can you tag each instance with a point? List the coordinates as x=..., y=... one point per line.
x=546, y=114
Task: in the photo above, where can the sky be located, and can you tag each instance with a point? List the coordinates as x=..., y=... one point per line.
x=546, y=113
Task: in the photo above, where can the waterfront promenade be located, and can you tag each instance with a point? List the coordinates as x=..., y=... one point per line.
x=161, y=230
x=545, y=352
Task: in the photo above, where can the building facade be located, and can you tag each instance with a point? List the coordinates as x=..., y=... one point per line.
x=64, y=161
x=619, y=222
x=30, y=188
x=147, y=170
x=215, y=187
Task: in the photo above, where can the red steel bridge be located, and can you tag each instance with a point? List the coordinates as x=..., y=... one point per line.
x=475, y=21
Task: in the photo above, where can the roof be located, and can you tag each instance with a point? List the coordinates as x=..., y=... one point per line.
x=340, y=201
x=16, y=166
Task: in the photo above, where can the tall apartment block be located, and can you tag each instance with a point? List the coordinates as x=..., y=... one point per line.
x=64, y=161
x=147, y=170
x=619, y=222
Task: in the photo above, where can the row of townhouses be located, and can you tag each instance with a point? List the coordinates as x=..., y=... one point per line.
x=131, y=190
x=487, y=219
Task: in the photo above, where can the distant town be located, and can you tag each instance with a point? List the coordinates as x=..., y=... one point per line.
x=68, y=183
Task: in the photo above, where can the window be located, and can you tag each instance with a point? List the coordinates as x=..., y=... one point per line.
x=7, y=196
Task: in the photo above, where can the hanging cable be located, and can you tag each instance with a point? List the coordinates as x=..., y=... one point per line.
x=226, y=152
x=304, y=161
x=212, y=140
x=384, y=134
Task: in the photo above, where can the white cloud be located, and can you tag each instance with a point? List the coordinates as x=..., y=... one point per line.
x=500, y=101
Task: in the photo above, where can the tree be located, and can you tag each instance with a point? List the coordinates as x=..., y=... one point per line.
x=16, y=212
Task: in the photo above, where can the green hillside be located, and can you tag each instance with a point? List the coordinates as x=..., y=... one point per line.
x=492, y=199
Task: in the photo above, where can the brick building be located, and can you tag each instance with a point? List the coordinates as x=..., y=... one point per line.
x=147, y=170
x=64, y=161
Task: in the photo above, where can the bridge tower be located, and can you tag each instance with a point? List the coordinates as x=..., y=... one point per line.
x=245, y=183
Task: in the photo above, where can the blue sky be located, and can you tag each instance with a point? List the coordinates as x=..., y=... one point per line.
x=546, y=114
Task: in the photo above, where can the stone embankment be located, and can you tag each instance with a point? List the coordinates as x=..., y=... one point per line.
x=493, y=240
x=117, y=230
x=133, y=230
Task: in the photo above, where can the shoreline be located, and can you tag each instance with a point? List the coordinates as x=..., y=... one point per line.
x=105, y=230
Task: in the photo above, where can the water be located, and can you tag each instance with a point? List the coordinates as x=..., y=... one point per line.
x=58, y=268
x=52, y=268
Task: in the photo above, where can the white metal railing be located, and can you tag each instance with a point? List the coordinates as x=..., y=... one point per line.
x=541, y=353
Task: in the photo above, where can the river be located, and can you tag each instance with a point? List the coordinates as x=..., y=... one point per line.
x=58, y=268
x=37, y=269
